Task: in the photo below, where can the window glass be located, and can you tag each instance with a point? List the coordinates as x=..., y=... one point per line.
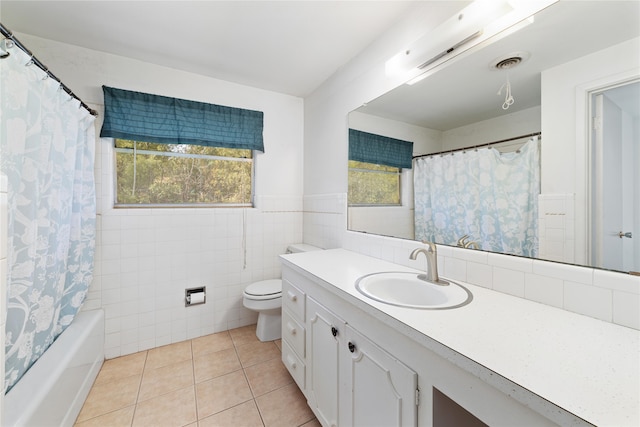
x=180, y=174
x=371, y=184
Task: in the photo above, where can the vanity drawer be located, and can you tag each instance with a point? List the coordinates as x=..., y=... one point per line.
x=294, y=365
x=293, y=333
x=294, y=300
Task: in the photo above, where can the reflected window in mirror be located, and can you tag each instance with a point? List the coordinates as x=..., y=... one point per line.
x=375, y=168
x=373, y=185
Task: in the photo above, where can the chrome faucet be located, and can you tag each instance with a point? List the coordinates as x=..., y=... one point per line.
x=471, y=245
x=462, y=242
x=432, y=264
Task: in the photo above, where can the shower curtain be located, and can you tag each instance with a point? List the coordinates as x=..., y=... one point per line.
x=47, y=152
x=490, y=196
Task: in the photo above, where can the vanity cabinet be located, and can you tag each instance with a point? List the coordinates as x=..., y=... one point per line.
x=348, y=379
x=294, y=332
x=359, y=367
x=325, y=343
x=379, y=389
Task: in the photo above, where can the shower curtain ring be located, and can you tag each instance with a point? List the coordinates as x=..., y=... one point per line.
x=30, y=63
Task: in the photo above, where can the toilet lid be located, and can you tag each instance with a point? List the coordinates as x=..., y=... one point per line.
x=272, y=288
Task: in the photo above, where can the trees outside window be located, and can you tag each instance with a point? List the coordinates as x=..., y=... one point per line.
x=371, y=185
x=180, y=174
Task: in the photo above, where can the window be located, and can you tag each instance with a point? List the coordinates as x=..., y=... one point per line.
x=371, y=184
x=167, y=174
x=375, y=165
x=172, y=151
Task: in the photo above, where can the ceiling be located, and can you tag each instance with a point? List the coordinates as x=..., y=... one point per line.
x=467, y=92
x=285, y=46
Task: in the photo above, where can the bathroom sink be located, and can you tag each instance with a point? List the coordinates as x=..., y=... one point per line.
x=406, y=289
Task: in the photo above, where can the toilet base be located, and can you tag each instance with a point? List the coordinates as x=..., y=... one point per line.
x=269, y=326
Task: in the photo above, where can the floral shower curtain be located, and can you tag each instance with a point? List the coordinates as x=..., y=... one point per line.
x=490, y=196
x=47, y=147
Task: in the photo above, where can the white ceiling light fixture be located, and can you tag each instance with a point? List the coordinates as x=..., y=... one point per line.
x=477, y=23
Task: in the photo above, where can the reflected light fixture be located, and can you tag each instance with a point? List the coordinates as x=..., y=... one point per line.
x=480, y=21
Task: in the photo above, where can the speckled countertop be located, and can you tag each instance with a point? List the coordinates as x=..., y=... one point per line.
x=589, y=368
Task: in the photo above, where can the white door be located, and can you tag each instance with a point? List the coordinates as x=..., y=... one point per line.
x=379, y=389
x=615, y=209
x=325, y=336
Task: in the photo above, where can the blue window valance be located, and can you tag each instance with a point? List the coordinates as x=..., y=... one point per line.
x=161, y=119
x=380, y=150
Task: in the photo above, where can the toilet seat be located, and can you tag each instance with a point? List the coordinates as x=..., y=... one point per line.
x=264, y=290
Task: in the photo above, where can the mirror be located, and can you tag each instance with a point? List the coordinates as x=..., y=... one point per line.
x=458, y=106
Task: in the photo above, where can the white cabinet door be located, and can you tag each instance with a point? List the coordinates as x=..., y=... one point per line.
x=380, y=390
x=325, y=342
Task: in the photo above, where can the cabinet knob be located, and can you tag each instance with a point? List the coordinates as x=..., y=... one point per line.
x=352, y=347
x=292, y=329
x=293, y=297
x=292, y=362
x=334, y=331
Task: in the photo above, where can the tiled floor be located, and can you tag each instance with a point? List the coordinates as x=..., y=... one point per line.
x=224, y=379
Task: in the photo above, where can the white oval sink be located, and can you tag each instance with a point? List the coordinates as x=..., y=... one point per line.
x=405, y=289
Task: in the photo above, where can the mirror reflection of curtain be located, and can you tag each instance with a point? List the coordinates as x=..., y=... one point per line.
x=490, y=196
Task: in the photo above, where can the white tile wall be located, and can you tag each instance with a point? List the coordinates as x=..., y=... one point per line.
x=609, y=296
x=556, y=221
x=146, y=258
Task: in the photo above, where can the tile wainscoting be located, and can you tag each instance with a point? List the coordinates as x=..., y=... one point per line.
x=605, y=295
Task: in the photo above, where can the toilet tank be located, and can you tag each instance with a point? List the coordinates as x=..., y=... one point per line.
x=301, y=247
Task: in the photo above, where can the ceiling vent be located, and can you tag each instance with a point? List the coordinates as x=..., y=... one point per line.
x=509, y=61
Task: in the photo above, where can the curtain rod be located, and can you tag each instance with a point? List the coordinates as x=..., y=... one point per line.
x=8, y=35
x=478, y=146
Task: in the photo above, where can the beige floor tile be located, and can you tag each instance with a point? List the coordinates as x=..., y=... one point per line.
x=122, y=367
x=244, y=335
x=162, y=380
x=313, y=423
x=244, y=415
x=284, y=407
x=156, y=382
x=211, y=343
x=267, y=376
x=110, y=396
x=177, y=408
x=211, y=365
x=120, y=418
x=168, y=354
x=257, y=352
x=222, y=393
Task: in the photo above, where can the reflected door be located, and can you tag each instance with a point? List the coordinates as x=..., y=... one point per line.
x=615, y=207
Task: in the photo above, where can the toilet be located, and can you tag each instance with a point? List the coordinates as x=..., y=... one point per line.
x=265, y=297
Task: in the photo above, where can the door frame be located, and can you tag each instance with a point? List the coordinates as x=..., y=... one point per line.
x=584, y=160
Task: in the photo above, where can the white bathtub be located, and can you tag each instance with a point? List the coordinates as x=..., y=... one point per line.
x=54, y=389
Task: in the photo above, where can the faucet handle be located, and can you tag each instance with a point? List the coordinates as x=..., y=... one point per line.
x=462, y=241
